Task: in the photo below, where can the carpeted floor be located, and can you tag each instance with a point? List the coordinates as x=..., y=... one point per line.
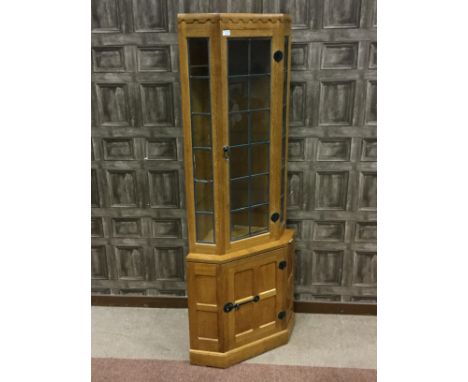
x=140, y=370
x=142, y=345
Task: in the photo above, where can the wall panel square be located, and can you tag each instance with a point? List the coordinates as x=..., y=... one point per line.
x=164, y=189
x=113, y=104
x=122, y=188
x=337, y=102
x=331, y=190
x=150, y=15
x=169, y=263
x=105, y=16
x=130, y=263
x=157, y=104
x=327, y=267
x=341, y=13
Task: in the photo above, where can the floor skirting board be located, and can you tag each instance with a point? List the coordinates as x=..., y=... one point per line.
x=181, y=302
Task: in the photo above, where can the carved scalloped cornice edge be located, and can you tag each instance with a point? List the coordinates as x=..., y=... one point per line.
x=198, y=21
x=255, y=20
x=214, y=18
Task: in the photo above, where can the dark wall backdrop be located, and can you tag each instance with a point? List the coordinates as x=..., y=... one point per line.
x=138, y=203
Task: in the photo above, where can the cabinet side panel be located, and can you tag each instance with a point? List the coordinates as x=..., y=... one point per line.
x=203, y=307
x=289, y=288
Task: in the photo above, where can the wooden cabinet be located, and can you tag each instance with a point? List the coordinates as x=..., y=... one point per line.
x=234, y=71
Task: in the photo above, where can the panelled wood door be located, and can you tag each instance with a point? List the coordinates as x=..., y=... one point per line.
x=262, y=277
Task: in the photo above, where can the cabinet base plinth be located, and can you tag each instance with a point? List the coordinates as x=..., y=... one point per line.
x=231, y=357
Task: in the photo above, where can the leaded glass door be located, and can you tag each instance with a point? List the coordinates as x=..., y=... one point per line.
x=249, y=88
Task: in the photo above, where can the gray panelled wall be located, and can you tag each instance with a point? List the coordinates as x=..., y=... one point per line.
x=138, y=203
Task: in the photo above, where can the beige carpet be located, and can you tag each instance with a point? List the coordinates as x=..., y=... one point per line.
x=145, y=344
x=132, y=370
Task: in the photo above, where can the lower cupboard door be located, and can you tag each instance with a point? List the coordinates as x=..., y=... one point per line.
x=255, y=288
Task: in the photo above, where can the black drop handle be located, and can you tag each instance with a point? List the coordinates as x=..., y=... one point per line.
x=230, y=306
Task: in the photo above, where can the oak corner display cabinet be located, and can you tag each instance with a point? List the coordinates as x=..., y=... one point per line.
x=234, y=71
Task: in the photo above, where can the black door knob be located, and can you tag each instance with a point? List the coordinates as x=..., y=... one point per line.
x=278, y=55
x=275, y=216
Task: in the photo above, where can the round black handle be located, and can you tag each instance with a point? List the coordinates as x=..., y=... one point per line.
x=278, y=55
x=275, y=216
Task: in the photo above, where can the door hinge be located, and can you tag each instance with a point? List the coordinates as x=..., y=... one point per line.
x=226, y=150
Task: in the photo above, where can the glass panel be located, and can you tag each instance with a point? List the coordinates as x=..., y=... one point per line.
x=202, y=168
x=260, y=126
x=201, y=131
x=239, y=161
x=259, y=189
x=283, y=164
x=260, y=60
x=204, y=196
x=260, y=161
x=286, y=54
x=198, y=52
x=240, y=224
x=200, y=91
x=239, y=193
x=249, y=91
x=259, y=218
x=205, y=230
x=199, y=71
x=238, y=51
x=239, y=128
x=285, y=91
x=259, y=92
x=282, y=204
x=238, y=94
